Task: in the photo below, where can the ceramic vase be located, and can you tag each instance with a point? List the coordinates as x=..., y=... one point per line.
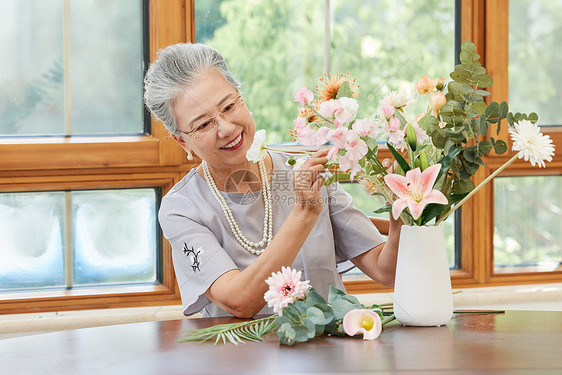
x=422, y=288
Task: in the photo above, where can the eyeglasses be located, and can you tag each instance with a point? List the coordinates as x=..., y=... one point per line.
x=227, y=113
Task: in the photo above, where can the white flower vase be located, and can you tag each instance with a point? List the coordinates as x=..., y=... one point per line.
x=422, y=289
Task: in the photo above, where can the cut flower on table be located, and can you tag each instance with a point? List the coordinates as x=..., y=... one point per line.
x=303, y=315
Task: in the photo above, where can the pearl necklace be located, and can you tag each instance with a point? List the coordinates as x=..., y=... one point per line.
x=252, y=247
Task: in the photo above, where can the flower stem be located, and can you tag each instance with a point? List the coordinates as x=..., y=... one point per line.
x=469, y=195
x=387, y=320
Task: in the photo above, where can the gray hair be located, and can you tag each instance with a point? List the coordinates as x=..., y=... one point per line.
x=175, y=69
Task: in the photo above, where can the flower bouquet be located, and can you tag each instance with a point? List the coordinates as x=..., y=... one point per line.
x=434, y=154
x=433, y=157
x=302, y=314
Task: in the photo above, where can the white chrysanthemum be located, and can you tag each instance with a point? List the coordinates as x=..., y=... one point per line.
x=532, y=145
x=285, y=287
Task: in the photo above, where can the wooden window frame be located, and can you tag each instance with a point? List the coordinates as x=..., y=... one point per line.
x=486, y=23
x=103, y=162
x=155, y=160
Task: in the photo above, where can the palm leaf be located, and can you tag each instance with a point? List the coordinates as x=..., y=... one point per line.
x=235, y=333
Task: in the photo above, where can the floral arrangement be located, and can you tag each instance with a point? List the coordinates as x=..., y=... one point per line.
x=302, y=314
x=434, y=154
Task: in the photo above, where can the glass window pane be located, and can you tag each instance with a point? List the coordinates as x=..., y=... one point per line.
x=107, y=66
x=535, y=57
x=282, y=44
x=115, y=236
x=273, y=47
x=368, y=204
x=373, y=41
x=31, y=76
x=32, y=240
x=528, y=223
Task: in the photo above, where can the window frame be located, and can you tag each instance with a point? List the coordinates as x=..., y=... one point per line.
x=486, y=23
x=155, y=160
x=150, y=160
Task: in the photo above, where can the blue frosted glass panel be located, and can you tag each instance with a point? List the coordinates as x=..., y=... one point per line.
x=31, y=240
x=114, y=236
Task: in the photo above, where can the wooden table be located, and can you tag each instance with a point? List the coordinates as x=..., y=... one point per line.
x=517, y=342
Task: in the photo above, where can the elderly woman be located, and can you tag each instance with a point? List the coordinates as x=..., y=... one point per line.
x=232, y=222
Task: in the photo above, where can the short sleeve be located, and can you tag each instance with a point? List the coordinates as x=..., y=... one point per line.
x=198, y=257
x=354, y=233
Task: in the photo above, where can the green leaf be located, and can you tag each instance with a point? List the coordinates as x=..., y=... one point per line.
x=533, y=117
x=467, y=45
x=342, y=303
x=431, y=211
x=402, y=119
x=313, y=298
x=459, y=76
x=472, y=168
x=337, y=177
x=492, y=111
x=484, y=147
x=462, y=186
x=344, y=90
x=484, y=81
x=483, y=126
x=301, y=332
x=500, y=147
x=424, y=122
x=310, y=327
x=503, y=109
x=316, y=315
x=292, y=313
x=401, y=162
x=383, y=210
x=286, y=334
x=446, y=162
x=510, y=119
x=455, y=135
x=479, y=107
x=334, y=294
x=438, y=138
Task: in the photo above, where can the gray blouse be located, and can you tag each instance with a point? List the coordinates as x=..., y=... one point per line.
x=204, y=248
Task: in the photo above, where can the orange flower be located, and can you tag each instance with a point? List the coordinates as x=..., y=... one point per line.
x=329, y=86
x=425, y=85
x=308, y=114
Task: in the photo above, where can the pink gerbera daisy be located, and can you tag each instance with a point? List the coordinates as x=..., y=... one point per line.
x=285, y=287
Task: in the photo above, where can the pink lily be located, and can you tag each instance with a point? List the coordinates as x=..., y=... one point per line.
x=415, y=190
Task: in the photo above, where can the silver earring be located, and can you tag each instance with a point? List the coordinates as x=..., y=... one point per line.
x=189, y=155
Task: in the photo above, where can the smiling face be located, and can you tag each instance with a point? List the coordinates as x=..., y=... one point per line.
x=224, y=148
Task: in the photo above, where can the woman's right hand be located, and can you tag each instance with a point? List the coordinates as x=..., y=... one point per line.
x=307, y=183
